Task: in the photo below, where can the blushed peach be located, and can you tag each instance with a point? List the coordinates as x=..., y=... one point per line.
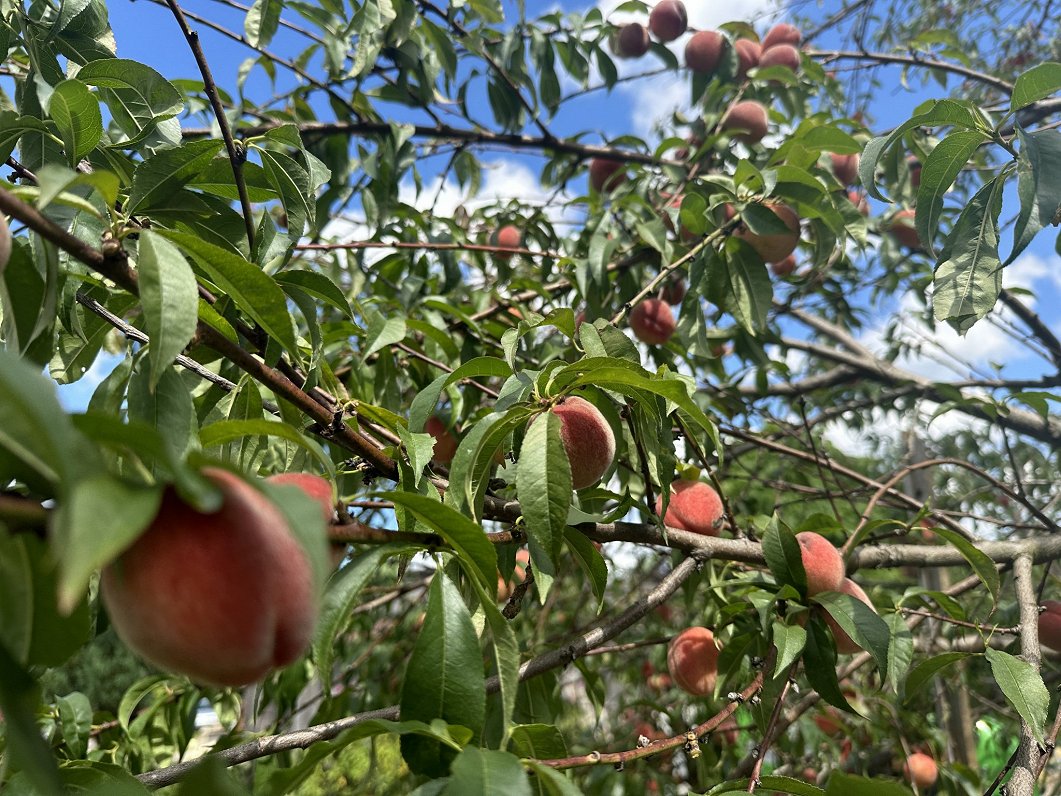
x=821, y=561
x=653, y=321
x=694, y=506
x=692, y=660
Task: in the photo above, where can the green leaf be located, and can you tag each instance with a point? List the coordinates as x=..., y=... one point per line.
x=590, y=561
x=981, y=563
x=225, y=431
x=900, y=652
x=542, y=741
x=253, y=290
x=783, y=556
x=769, y=784
x=101, y=517
x=318, y=285
x=552, y=782
x=819, y=664
x=170, y=298
x=1023, y=687
x=465, y=536
x=967, y=283
x=543, y=483
x=262, y=21
x=746, y=291
x=16, y=598
x=443, y=678
x=138, y=97
x=487, y=772
x=1038, y=186
x=161, y=175
x=841, y=784
x=929, y=668
x=1037, y=83
x=790, y=641
x=77, y=115
x=860, y=622
x=382, y=332
x=19, y=701
x=940, y=170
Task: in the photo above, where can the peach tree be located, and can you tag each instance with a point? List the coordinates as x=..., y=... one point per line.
x=480, y=398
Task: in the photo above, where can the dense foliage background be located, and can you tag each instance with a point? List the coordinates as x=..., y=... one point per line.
x=267, y=236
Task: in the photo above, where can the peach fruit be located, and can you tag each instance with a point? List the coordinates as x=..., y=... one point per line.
x=222, y=598
x=668, y=20
x=781, y=55
x=445, y=442
x=694, y=506
x=587, y=438
x=507, y=237
x=748, y=53
x=858, y=199
x=921, y=770
x=692, y=659
x=782, y=33
x=822, y=563
x=777, y=246
x=747, y=120
x=652, y=321
x=703, y=52
x=1050, y=625
x=845, y=645
x=605, y=175
x=631, y=41
x=784, y=267
x=320, y=489
x=902, y=229
x=674, y=289
x=845, y=167
x=914, y=166
x=505, y=588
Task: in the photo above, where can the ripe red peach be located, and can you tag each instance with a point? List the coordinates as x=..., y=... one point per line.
x=921, y=770
x=748, y=53
x=901, y=227
x=694, y=506
x=845, y=167
x=587, y=438
x=782, y=33
x=777, y=246
x=507, y=237
x=668, y=20
x=1050, y=625
x=320, y=489
x=605, y=175
x=784, y=267
x=747, y=120
x=703, y=52
x=858, y=199
x=845, y=645
x=781, y=55
x=631, y=41
x=223, y=598
x=821, y=561
x=674, y=289
x=653, y=321
x=692, y=659
x=445, y=442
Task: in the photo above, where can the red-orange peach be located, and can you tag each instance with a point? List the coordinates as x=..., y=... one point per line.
x=507, y=237
x=901, y=227
x=748, y=53
x=222, y=598
x=845, y=167
x=784, y=267
x=747, y=120
x=519, y=574
x=694, y=506
x=587, y=438
x=631, y=41
x=845, y=645
x=445, y=442
x=779, y=245
x=605, y=175
x=782, y=33
x=858, y=199
x=1050, y=625
x=652, y=321
x=692, y=659
x=781, y=55
x=320, y=489
x=668, y=20
x=822, y=563
x=921, y=770
x=703, y=52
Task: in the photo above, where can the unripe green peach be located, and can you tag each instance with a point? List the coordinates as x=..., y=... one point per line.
x=703, y=52
x=445, y=442
x=653, y=321
x=845, y=645
x=782, y=33
x=587, y=438
x=605, y=175
x=320, y=489
x=694, y=506
x=747, y=120
x=631, y=41
x=822, y=563
x=692, y=659
x=222, y=598
x=1050, y=625
x=921, y=770
x=668, y=20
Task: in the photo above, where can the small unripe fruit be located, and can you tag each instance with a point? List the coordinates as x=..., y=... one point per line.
x=631, y=41
x=781, y=55
x=748, y=53
x=508, y=237
x=5, y=243
x=748, y=121
x=845, y=645
x=901, y=227
x=921, y=770
x=784, y=267
x=668, y=20
x=703, y=52
x=694, y=506
x=605, y=175
x=222, y=598
x=774, y=247
x=1050, y=625
x=845, y=167
x=587, y=438
x=692, y=659
x=859, y=200
x=320, y=489
x=652, y=321
x=822, y=563
x=782, y=33
x=445, y=442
